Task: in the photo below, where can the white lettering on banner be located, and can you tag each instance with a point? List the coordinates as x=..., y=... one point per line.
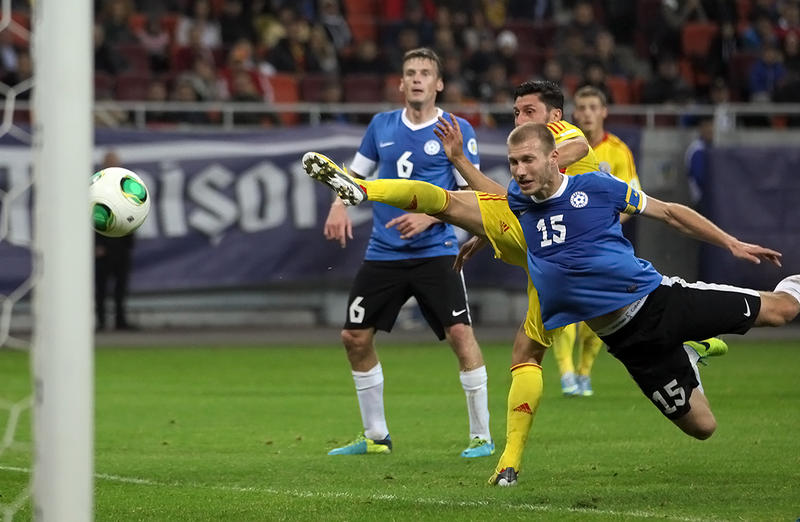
x=170, y=202
x=215, y=212
x=261, y=192
x=303, y=198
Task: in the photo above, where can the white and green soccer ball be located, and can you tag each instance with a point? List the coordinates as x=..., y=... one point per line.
x=119, y=201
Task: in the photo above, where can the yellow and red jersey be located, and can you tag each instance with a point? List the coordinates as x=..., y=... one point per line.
x=616, y=158
x=563, y=131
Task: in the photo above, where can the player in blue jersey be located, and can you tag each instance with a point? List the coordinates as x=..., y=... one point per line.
x=409, y=255
x=585, y=270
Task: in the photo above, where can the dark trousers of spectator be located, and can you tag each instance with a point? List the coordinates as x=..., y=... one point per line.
x=114, y=264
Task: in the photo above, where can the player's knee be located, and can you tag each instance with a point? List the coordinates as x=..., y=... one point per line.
x=777, y=309
x=700, y=427
x=355, y=340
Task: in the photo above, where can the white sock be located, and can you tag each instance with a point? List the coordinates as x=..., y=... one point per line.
x=369, y=388
x=791, y=286
x=474, y=384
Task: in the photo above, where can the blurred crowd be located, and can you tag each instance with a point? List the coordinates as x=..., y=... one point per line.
x=648, y=51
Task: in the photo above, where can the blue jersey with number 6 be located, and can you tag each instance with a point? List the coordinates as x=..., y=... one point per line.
x=404, y=150
x=579, y=261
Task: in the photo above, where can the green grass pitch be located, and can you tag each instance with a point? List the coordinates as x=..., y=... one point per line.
x=241, y=434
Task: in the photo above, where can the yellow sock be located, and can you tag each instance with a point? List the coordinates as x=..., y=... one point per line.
x=590, y=347
x=523, y=401
x=562, y=349
x=407, y=194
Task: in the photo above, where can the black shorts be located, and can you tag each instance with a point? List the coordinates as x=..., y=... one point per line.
x=381, y=288
x=651, y=344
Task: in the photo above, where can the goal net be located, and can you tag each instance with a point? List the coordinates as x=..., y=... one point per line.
x=57, y=482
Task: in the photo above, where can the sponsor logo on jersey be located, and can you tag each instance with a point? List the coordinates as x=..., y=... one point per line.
x=432, y=147
x=472, y=146
x=579, y=199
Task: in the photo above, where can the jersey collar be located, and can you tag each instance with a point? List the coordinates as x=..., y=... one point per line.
x=558, y=193
x=418, y=126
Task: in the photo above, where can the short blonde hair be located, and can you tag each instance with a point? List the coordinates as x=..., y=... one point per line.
x=528, y=131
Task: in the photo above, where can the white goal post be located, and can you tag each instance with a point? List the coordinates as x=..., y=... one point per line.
x=63, y=333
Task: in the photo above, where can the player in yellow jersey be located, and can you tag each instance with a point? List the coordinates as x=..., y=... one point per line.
x=614, y=156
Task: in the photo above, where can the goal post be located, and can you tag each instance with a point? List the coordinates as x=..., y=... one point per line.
x=63, y=346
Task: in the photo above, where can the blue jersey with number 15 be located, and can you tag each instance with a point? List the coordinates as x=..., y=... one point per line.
x=579, y=261
x=404, y=150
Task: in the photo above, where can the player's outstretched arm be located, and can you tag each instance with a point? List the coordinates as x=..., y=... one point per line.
x=571, y=150
x=449, y=132
x=689, y=222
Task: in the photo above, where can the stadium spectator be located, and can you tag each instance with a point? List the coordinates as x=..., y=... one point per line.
x=183, y=92
x=789, y=21
x=572, y=52
x=667, y=86
x=106, y=58
x=724, y=47
x=292, y=53
x=335, y=24
x=185, y=55
x=594, y=75
x=507, y=45
x=407, y=39
x=203, y=78
x=198, y=17
x=696, y=160
x=766, y=74
x=155, y=40
x=365, y=60
x=791, y=53
x=235, y=23
x=112, y=262
x=9, y=56
x=115, y=22
x=617, y=60
x=759, y=34
x=157, y=93
x=405, y=249
x=583, y=22
x=321, y=51
x=530, y=10
x=332, y=93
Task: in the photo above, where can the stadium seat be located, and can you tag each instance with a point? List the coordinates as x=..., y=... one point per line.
x=285, y=90
x=696, y=38
x=135, y=57
x=525, y=32
x=367, y=8
x=312, y=87
x=103, y=85
x=362, y=27
x=132, y=86
x=620, y=89
x=739, y=74
x=362, y=88
x=570, y=83
x=545, y=32
x=529, y=61
x=391, y=90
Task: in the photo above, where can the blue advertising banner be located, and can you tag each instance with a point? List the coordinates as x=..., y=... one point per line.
x=230, y=210
x=754, y=194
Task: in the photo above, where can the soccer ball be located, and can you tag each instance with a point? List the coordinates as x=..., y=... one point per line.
x=119, y=201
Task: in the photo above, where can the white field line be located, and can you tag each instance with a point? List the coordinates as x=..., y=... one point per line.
x=386, y=498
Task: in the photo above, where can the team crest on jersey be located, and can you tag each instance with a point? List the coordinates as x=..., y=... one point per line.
x=432, y=147
x=472, y=146
x=579, y=199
